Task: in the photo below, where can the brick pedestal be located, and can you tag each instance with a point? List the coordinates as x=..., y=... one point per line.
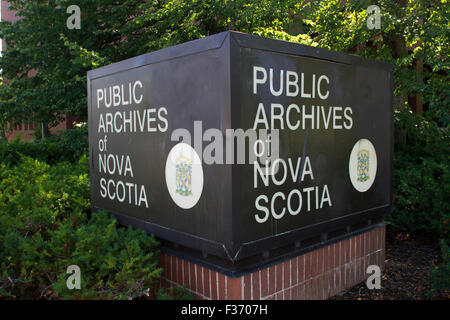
x=318, y=274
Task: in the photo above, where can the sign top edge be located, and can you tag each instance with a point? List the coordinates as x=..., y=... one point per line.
x=183, y=49
x=242, y=40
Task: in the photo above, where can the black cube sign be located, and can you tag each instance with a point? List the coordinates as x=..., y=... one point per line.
x=236, y=145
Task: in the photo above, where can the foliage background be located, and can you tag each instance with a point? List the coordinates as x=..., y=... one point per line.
x=44, y=70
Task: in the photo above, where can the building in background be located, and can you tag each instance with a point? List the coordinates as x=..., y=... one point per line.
x=26, y=130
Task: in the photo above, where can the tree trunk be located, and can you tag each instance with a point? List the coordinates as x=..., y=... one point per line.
x=44, y=130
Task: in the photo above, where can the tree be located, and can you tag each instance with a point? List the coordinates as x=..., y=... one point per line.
x=46, y=63
x=414, y=36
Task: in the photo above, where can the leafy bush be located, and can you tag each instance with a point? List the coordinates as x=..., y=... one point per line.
x=44, y=228
x=174, y=293
x=70, y=145
x=440, y=275
x=421, y=176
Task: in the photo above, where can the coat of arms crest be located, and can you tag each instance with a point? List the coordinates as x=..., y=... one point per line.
x=183, y=176
x=363, y=165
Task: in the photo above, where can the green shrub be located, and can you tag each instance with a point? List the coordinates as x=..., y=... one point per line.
x=174, y=293
x=440, y=275
x=421, y=177
x=69, y=145
x=44, y=228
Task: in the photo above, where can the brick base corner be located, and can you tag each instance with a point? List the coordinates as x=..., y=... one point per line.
x=315, y=275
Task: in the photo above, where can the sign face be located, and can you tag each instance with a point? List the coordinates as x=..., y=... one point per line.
x=234, y=145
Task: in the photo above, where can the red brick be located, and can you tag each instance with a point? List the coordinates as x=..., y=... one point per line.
x=364, y=268
x=331, y=257
x=199, y=279
x=325, y=286
x=361, y=245
x=294, y=292
x=307, y=266
x=366, y=243
x=278, y=277
x=207, y=283
x=314, y=263
x=300, y=268
x=213, y=283
x=315, y=288
x=373, y=238
x=366, y=261
x=342, y=253
x=272, y=280
x=328, y=284
x=326, y=259
x=320, y=254
x=198, y=297
x=169, y=268
x=174, y=269
x=294, y=271
x=334, y=282
x=319, y=289
x=286, y=272
x=181, y=266
x=179, y=272
x=247, y=287
x=346, y=281
x=337, y=280
x=378, y=239
x=308, y=289
x=337, y=283
x=234, y=288
x=192, y=279
x=256, y=281
x=301, y=291
x=348, y=276
x=186, y=273
x=222, y=287
x=357, y=271
x=336, y=255
x=351, y=274
x=161, y=264
x=345, y=252
x=287, y=294
x=357, y=247
x=352, y=248
x=264, y=282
